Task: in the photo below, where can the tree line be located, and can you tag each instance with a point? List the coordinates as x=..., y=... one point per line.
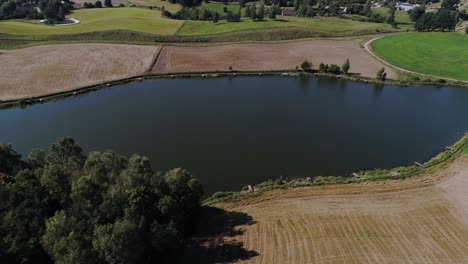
x=64, y=206
x=51, y=10
x=445, y=19
x=250, y=11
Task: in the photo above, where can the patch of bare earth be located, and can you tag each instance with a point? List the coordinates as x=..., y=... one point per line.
x=50, y=69
x=418, y=220
x=264, y=57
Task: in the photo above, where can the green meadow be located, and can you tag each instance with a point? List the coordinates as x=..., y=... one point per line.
x=438, y=54
x=99, y=19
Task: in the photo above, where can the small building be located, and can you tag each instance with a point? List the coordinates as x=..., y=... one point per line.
x=404, y=6
x=288, y=11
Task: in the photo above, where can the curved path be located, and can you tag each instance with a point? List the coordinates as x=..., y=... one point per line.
x=369, y=50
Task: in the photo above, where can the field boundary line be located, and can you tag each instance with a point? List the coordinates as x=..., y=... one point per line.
x=155, y=58
x=369, y=50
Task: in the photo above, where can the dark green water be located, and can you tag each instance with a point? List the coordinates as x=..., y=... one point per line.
x=234, y=132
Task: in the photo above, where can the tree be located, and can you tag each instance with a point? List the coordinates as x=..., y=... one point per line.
x=36, y=159
x=366, y=11
x=425, y=22
x=247, y=11
x=446, y=20
x=203, y=14
x=450, y=4
x=66, y=152
x=66, y=241
x=214, y=17
x=272, y=13
x=261, y=12
x=98, y=4
x=305, y=65
x=391, y=17
x=466, y=30
x=10, y=160
x=253, y=12
x=58, y=183
x=120, y=242
x=242, y=3
x=381, y=75
x=335, y=69
x=42, y=5
x=108, y=3
x=100, y=208
x=323, y=67
x=27, y=207
x=51, y=10
x=61, y=14
x=345, y=67
x=416, y=13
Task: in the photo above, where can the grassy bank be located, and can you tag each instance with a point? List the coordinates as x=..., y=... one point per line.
x=99, y=19
x=131, y=25
x=321, y=25
x=437, y=54
x=436, y=163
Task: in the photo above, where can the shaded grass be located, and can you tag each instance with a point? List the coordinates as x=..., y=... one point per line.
x=100, y=19
x=438, y=54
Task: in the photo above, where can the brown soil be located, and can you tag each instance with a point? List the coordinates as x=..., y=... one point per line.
x=264, y=57
x=49, y=69
x=418, y=220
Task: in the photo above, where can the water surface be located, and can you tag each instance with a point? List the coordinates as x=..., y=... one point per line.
x=233, y=132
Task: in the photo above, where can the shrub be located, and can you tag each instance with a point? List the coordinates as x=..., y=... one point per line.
x=335, y=69
x=306, y=65
x=346, y=66
x=381, y=75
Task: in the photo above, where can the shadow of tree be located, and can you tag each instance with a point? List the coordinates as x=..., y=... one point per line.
x=214, y=239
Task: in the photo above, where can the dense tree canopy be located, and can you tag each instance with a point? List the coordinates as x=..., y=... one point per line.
x=65, y=207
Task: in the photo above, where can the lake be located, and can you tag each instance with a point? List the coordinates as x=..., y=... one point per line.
x=230, y=132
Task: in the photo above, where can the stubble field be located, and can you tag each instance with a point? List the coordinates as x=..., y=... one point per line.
x=418, y=220
x=265, y=57
x=49, y=69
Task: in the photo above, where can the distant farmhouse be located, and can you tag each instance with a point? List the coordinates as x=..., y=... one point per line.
x=405, y=6
x=287, y=11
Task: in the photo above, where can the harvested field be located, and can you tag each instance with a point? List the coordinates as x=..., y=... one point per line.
x=264, y=57
x=44, y=70
x=418, y=220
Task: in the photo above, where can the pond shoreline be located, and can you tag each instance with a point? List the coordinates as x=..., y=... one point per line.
x=22, y=102
x=436, y=163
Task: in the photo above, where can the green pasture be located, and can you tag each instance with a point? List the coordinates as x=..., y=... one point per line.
x=331, y=25
x=99, y=19
x=436, y=53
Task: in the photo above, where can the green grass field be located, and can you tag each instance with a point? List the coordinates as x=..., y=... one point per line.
x=400, y=15
x=100, y=19
x=159, y=3
x=219, y=7
x=329, y=25
x=438, y=54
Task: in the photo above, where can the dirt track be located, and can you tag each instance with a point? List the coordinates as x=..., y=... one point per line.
x=262, y=57
x=418, y=220
x=49, y=69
